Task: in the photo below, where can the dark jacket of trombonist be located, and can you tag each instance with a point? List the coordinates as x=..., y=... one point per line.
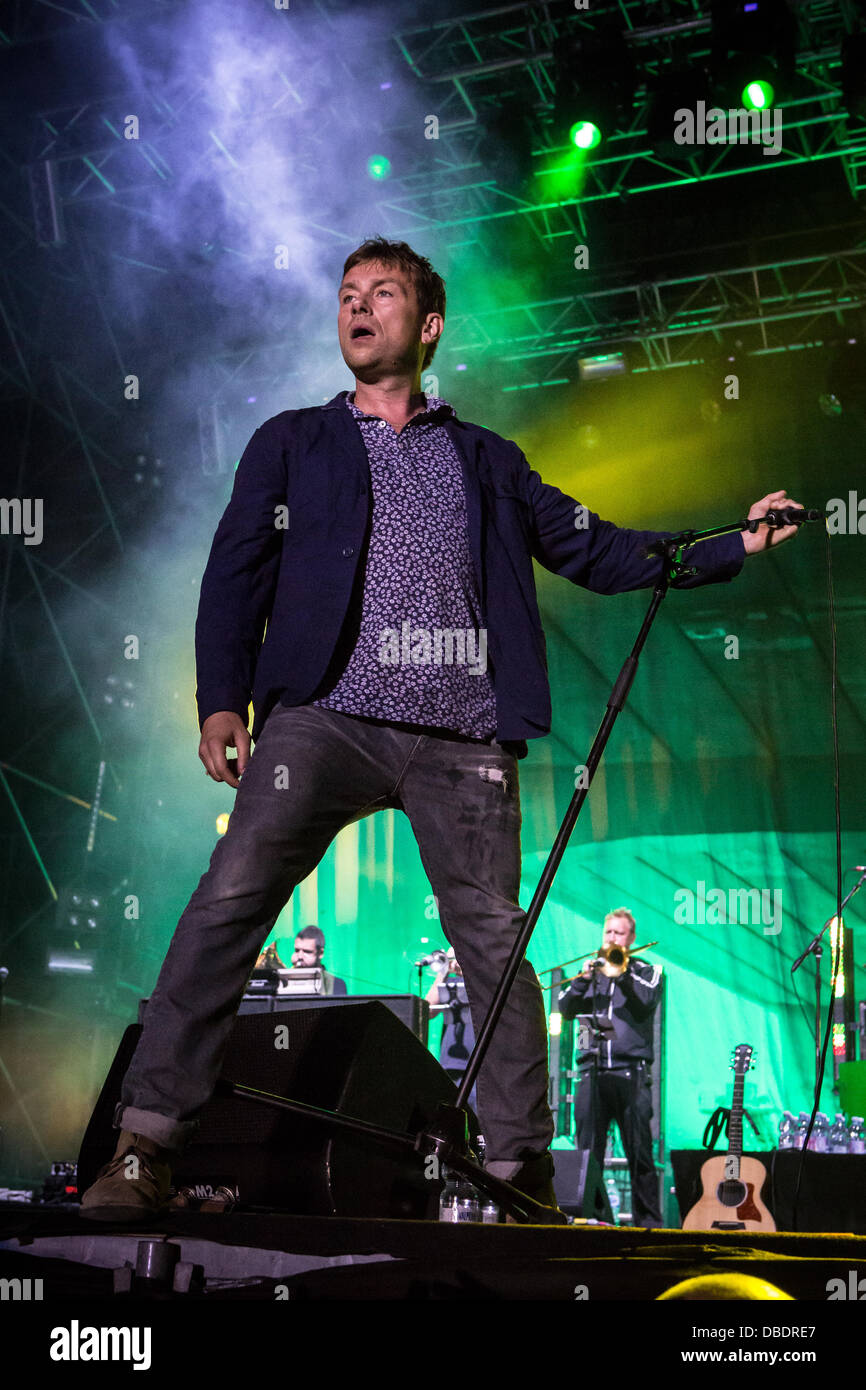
x=628, y=1003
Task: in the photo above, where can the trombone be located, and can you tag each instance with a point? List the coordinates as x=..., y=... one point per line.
x=611, y=961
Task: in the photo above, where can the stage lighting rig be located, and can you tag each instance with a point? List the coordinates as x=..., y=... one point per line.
x=118, y=695
x=676, y=91
x=595, y=85
x=753, y=44
x=854, y=75
x=75, y=945
x=147, y=472
x=601, y=366
x=505, y=149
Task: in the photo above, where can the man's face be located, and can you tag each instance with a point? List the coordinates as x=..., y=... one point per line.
x=306, y=953
x=618, y=931
x=379, y=322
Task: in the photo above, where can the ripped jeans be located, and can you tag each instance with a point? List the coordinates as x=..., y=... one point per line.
x=313, y=771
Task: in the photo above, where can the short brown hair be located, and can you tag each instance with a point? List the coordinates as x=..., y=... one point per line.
x=313, y=933
x=429, y=287
x=622, y=912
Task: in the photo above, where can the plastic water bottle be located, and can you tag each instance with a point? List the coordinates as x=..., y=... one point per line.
x=614, y=1198
x=839, y=1135
x=468, y=1205
x=856, y=1136
x=489, y=1212
x=787, y=1131
x=820, y=1140
x=802, y=1126
x=448, y=1197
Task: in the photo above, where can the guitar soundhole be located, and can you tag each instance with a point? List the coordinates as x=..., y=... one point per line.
x=732, y=1193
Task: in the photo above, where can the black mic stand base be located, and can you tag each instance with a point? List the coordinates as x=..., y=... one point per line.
x=447, y=1139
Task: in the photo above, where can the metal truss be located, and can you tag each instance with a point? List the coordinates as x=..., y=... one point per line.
x=30, y=21
x=459, y=196
x=755, y=309
x=494, y=61
x=488, y=65
x=463, y=50
x=502, y=59
x=673, y=322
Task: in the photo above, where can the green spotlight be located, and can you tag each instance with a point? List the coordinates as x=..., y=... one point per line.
x=757, y=95
x=378, y=166
x=585, y=135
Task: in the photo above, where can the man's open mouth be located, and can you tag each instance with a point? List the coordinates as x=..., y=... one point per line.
x=359, y=331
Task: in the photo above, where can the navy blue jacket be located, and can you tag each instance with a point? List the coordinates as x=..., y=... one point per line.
x=298, y=579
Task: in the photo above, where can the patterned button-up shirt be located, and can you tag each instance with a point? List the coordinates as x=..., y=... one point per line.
x=421, y=652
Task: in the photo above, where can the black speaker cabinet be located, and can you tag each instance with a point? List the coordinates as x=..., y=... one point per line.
x=409, y=1008
x=579, y=1184
x=357, y=1059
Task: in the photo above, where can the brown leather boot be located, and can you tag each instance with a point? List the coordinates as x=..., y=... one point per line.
x=133, y=1185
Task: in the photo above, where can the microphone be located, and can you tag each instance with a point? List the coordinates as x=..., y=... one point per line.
x=791, y=516
x=438, y=955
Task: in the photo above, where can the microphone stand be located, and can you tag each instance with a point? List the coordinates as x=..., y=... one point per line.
x=815, y=949
x=448, y=1136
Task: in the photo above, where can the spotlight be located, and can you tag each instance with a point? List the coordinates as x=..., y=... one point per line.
x=585, y=135
x=74, y=946
x=147, y=471
x=79, y=910
x=119, y=693
x=710, y=1288
x=595, y=84
x=758, y=95
x=602, y=366
x=378, y=166
x=753, y=46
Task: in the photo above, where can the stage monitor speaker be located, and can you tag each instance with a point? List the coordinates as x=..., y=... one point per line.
x=579, y=1184
x=357, y=1059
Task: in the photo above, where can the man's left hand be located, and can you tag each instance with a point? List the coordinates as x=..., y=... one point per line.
x=768, y=537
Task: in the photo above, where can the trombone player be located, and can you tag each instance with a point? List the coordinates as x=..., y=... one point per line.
x=621, y=993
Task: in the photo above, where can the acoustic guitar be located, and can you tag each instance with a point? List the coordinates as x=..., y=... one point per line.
x=731, y=1185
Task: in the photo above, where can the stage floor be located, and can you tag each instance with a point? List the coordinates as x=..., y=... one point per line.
x=268, y=1256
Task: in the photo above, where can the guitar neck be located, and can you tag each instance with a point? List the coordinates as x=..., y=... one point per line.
x=735, y=1124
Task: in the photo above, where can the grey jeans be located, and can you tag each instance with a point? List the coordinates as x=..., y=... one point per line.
x=312, y=772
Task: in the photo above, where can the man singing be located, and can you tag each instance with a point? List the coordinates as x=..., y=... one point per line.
x=387, y=546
